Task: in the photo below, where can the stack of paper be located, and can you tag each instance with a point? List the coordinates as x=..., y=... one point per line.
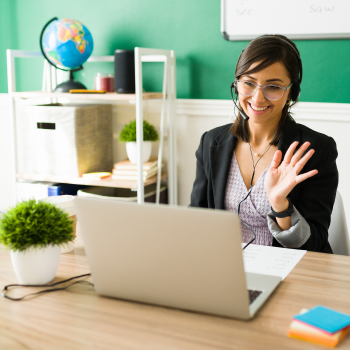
x=320, y=325
x=126, y=170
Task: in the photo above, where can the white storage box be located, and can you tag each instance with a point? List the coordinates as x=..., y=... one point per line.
x=65, y=140
x=32, y=190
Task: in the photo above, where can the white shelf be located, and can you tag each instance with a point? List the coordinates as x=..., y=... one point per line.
x=107, y=182
x=108, y=96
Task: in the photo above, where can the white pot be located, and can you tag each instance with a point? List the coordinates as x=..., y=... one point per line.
x=131, y=150
x=36, y=265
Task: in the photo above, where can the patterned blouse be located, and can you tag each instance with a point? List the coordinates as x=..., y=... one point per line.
x=256, y=212
x=253, y=210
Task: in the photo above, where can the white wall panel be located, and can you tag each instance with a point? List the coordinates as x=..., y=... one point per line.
x=6, y=190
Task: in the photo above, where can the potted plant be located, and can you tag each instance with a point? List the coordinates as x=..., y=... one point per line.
x=33, y=231
x=128, y=135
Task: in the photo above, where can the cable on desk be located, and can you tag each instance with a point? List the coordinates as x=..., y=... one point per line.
x=6, y=288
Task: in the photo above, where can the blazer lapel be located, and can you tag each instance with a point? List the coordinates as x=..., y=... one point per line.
x=290, y=134
x=220, y=162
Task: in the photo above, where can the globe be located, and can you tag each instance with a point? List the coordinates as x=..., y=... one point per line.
x=66, y=44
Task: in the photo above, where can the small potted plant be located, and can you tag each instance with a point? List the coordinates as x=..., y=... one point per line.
x=33, y=232
x=128, y=135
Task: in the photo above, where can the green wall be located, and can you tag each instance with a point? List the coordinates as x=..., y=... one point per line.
x=8, y=37
x=205, y=61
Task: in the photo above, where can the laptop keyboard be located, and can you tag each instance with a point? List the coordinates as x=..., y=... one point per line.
x=253, y=294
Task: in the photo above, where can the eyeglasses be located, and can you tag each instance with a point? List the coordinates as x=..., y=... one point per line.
x=271, y=92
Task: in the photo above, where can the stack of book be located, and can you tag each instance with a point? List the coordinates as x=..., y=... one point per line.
x=320, y=325
x=125, y=170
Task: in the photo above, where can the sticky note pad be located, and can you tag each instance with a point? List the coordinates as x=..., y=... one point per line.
x=321, y=317
x=96, y=176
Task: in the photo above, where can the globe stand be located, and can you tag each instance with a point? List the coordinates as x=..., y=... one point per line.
x=70, y=84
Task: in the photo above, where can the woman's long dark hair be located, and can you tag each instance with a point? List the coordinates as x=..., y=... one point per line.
x=267, y=49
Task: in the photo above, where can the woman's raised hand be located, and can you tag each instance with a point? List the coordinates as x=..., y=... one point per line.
x=281, y=178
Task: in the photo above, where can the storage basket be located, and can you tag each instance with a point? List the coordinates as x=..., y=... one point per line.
x=66, y=140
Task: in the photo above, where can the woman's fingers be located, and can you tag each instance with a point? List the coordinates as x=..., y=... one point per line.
x=300, y=152
x=300, y=164
x=289, y=154
x=277, y=157
x=305, y=176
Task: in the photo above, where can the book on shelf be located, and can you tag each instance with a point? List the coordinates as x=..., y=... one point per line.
x=127, y=165
x=129, y=177
x=146, y=173
x=126, y=170
x=134, y=176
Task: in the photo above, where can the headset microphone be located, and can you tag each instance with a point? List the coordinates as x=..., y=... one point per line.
x=242, y=112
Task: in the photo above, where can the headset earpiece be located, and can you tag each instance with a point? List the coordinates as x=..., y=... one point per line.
x=295, y=93
x=233, y=87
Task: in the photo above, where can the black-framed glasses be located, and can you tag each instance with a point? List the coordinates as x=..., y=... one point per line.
x=271, y=91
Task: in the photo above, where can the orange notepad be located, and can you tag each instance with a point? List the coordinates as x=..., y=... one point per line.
x=96, y=176
x=84, y=91
x=304, y=331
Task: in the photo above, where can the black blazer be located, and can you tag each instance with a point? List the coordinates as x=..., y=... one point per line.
x=314, y=198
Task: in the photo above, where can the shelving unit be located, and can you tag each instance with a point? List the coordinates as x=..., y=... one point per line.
x=108, y=96
x=168, y=96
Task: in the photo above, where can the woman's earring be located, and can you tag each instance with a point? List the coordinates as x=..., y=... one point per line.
x=287, y=102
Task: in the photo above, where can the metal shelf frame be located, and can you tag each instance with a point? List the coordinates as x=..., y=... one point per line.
x=142, y=55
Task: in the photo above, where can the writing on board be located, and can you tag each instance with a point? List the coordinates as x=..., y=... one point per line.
x=319, y=8
x=245, y=8
x=247, y=19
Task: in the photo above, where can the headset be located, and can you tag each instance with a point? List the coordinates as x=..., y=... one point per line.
x=295, y=89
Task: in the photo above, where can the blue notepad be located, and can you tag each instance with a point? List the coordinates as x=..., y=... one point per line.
x=321, y=317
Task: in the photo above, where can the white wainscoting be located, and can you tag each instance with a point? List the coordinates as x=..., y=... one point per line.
x=5, y=154
x=194, y=117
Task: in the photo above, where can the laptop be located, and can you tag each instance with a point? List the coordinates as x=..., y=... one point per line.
x=178, y=257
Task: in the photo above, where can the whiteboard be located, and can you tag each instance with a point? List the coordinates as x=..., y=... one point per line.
x=296, y=19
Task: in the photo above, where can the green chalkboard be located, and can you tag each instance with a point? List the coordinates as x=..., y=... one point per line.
x=205, y=60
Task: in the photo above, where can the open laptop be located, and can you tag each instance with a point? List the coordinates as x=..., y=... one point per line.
x=186, y=258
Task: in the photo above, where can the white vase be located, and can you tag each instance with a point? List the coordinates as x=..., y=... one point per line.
x=131, y=150
x=36, y=265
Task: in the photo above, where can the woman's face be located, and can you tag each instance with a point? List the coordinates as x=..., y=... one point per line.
x=259, y=109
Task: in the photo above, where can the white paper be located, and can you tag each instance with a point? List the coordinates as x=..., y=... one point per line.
x=271, y=260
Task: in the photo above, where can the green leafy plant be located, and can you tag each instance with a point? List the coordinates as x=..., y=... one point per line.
x=35, y=224
x=128, y=134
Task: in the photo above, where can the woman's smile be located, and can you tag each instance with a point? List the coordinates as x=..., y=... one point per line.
x=258, y=110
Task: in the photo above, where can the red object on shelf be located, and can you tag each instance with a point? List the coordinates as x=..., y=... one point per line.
x=104, y=82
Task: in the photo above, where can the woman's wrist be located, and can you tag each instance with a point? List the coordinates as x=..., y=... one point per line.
x=280, y=206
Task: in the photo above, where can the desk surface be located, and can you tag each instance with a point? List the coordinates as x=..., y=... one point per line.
x=77, y=318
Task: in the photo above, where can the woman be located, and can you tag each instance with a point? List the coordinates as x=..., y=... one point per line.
x=286, y=172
